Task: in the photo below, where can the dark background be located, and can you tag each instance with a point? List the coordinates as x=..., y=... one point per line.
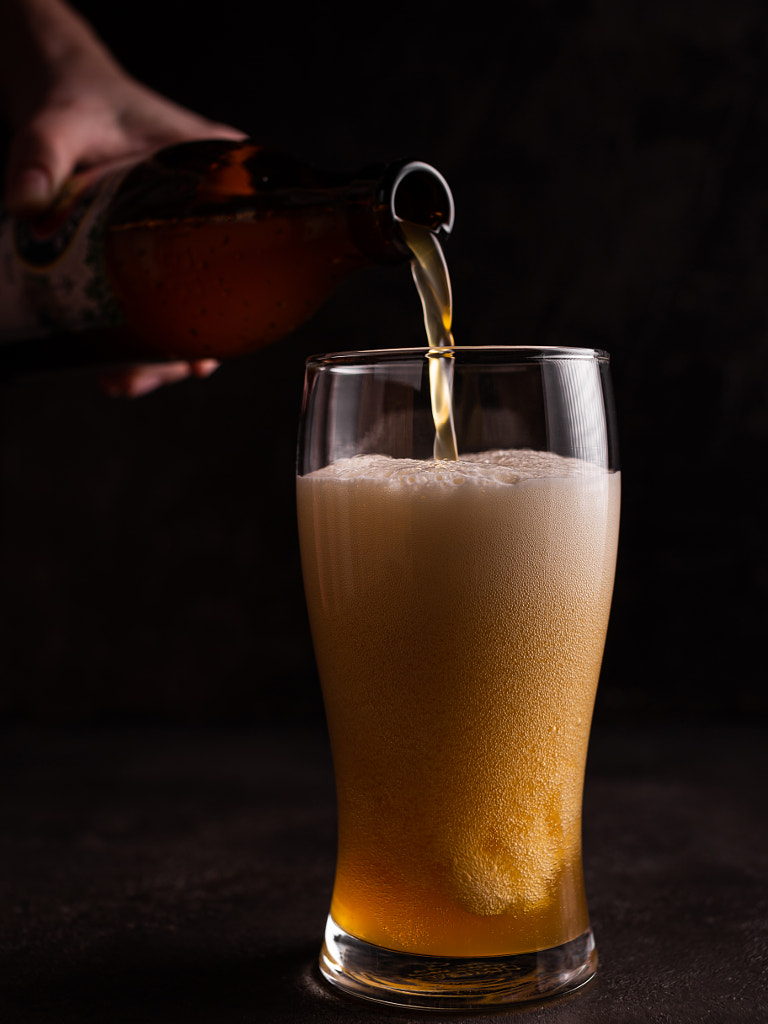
x=609, y=168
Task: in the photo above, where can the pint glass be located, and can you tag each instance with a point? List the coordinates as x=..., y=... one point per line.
x=458, y=610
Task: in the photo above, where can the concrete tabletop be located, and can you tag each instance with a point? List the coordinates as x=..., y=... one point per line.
x=155, y=875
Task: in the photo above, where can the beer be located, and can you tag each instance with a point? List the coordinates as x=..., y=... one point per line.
x=433, y=284
x=459, y=611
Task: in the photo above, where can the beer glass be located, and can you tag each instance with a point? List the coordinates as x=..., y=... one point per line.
x=458, y=609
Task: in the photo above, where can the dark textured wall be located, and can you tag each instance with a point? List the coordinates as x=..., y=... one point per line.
x=611, y=186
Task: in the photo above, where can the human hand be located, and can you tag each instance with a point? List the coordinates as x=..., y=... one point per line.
x=134, y=381
x=71, y=106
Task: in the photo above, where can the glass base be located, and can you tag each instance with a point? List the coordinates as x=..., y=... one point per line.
x=445, y=983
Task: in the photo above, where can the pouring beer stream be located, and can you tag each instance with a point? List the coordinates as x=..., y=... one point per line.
x=430, y=272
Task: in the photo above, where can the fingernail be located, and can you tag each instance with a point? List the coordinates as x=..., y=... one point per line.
x=31, y=189
x=204, y=367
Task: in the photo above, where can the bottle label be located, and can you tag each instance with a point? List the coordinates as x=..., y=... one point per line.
x=52, y=275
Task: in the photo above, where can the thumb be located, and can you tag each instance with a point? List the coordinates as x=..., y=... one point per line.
x=39, y=162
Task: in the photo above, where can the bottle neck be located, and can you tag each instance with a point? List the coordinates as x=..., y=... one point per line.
x=407, y=190
x=219, y=178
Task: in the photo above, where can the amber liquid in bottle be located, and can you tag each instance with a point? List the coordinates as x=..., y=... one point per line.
x=226, y=269
x=208, y=249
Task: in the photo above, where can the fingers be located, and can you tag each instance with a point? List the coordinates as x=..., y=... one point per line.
x=32, y=175
x=203, y=367
x=41, y=158
x=151, y=119
x=45, y=152
x=135, y=381
x=29, y=188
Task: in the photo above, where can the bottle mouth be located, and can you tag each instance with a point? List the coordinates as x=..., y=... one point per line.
x=420, y=194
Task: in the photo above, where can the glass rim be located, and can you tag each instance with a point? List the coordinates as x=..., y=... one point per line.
x=521, y=354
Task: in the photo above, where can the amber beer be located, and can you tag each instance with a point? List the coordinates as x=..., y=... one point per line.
x=459, y=611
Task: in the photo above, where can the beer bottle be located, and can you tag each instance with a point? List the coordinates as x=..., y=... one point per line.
x=205, y=249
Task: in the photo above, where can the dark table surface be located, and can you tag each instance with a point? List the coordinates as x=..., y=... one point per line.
x=166, y=874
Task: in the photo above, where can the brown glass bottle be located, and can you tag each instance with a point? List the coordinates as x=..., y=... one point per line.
x=214, y=248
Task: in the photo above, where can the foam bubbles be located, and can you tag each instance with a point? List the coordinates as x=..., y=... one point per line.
x=496, y=465
x=489, y=882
